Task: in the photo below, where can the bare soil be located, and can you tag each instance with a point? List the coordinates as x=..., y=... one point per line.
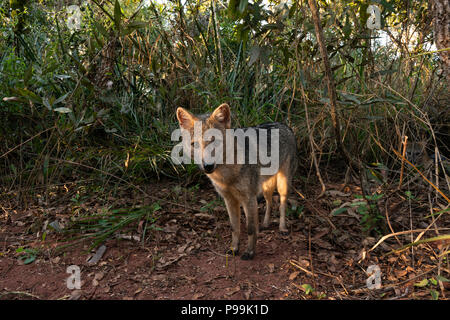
x=183, y=257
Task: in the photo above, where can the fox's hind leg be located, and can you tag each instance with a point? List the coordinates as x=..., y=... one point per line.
x=268, y=188
x=283, y=189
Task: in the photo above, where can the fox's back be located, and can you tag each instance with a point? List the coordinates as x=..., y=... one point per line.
x=246, y=178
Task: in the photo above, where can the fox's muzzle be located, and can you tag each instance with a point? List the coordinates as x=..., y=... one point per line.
x=209, y=167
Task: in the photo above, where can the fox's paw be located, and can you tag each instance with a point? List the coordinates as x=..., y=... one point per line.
x=247, y=255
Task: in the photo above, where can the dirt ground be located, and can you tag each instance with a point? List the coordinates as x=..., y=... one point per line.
x=183, y=257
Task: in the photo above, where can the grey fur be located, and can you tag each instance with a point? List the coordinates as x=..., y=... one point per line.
x=241, y=184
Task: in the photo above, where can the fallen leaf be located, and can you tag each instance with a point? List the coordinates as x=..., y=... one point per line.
x=197, y=296
x=56, y=260
x=422, y=283
x=205, y=216
x=333, y=260
x=140, y=227
x=391, y=277
x=303, y=263
x=188, y=250
x=322, y=232
x=182, y=248
x=99, y=275
x=97, y=256
x=171, y=229
x=401, y=273
x=159, y=277
x=231, y=291
x=335, y=193
x=294, y=275
x=323, y=244
x=75, y=294
x=164, y=262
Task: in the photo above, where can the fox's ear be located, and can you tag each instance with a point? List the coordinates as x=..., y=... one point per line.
x=222, y=114
x=185, y=118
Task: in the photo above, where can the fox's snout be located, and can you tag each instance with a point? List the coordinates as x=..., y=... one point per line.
x=208, y=167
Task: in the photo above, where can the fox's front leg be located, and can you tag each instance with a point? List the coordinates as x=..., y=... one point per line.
x=251, y=213
x=234, y=212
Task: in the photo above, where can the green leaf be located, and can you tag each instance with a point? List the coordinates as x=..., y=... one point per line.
x=438, y=238
x=383, y=72
x=80, y=66
x=347, y=27
x=362, y=210
x=374, y=197
x=358, y=203
x=422, y=283
x=100, y=28
x=28, y=74
x=441, y=278
x=29, y=260
x=255, y=52
x=33, y=97
x=62, y=76
x=292, y=10
x=433, y=281
x=336, y=203
x=271, y=26
x=156, y=206
x=46, y=103
x=61, y=99
x=232, y=12
x=434, y=294
x=308, y=288
x=438, y=213
x=351, y=98
x=45, y=165
x=62, y=110
x=242, y=6
x=409, y=194
x=242, y=33
x=137, y=24
x=386, y=5
x=117, y=14
x=338, y=211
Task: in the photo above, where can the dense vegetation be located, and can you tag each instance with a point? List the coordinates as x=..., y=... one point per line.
x=91, y=92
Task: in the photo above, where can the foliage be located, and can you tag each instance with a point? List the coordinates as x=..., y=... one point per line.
x=100, y=99
x=98, y=228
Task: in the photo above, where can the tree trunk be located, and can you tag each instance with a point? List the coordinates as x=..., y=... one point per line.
x=328, y=75
x=441, y=25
